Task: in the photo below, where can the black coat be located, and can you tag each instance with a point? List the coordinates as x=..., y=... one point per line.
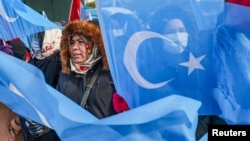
x=99, y=101
x=51, y=67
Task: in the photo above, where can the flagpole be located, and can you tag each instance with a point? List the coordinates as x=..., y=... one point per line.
x=70, y=10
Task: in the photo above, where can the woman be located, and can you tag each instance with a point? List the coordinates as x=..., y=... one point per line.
x=83, y=58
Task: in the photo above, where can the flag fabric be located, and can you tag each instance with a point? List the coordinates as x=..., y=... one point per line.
x=240, y=2
x=146, y=65
x=89, y=13
x=237, y=11
x=17, y=20
x=206, y=13
x=24, y=87
x=143, y=68
x=83, y=13
x=23, y=90
x=75, y=10
x=231, y=59
x=162, y=81
x=204, y=138
x=232, y=72
x=157, y=121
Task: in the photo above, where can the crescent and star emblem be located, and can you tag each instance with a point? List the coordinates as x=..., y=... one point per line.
x=130, y=59
x=5, y=16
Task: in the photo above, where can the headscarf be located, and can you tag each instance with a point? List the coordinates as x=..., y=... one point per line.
x=88, y=30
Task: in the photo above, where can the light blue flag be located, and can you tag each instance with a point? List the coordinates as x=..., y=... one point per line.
x=231, y=63
x=233, y=74
x=149, y=60
x=234, y=8
x=193, y=48
x=160, y=120
x=204, y=137
x=19, y=20
x=206, y=13
x=23, y=90
x=88, y=13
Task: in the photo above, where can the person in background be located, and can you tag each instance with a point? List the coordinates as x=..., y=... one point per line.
x=47, y=55
x=20, y=50
x=45, y=52
x=174, y=23
x=10, y=129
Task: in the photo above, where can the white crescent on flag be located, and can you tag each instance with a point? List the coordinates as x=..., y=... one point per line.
x=130, y=60
x=5, y=16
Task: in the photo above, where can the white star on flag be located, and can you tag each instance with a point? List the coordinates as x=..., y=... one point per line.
x=193, y=63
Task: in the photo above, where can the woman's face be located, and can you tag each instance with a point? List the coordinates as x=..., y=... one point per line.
x=177, y=36
x=175, y=25
x=79, y=49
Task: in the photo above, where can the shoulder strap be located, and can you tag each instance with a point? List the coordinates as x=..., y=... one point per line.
x=89, y=87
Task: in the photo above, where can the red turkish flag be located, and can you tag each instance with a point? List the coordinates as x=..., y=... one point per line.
x=237, y=13
x=241, y=2
x=75, y=10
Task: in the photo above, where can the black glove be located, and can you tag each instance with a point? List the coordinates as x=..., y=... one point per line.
x=36, y=129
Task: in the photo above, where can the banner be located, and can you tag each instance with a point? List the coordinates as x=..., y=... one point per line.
x=24, y=90
x=189, y=48
x=75, y=10
x=19, y=20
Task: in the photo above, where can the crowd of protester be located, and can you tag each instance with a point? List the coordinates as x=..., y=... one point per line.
x=74, y=62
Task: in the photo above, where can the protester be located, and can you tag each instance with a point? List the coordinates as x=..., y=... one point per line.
x=83, y=58
x=45, y=51
x=184, y=40
x=20, y=50
x=173, y=48
x=10, y=129
x=47, y=57
x=176, y=26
